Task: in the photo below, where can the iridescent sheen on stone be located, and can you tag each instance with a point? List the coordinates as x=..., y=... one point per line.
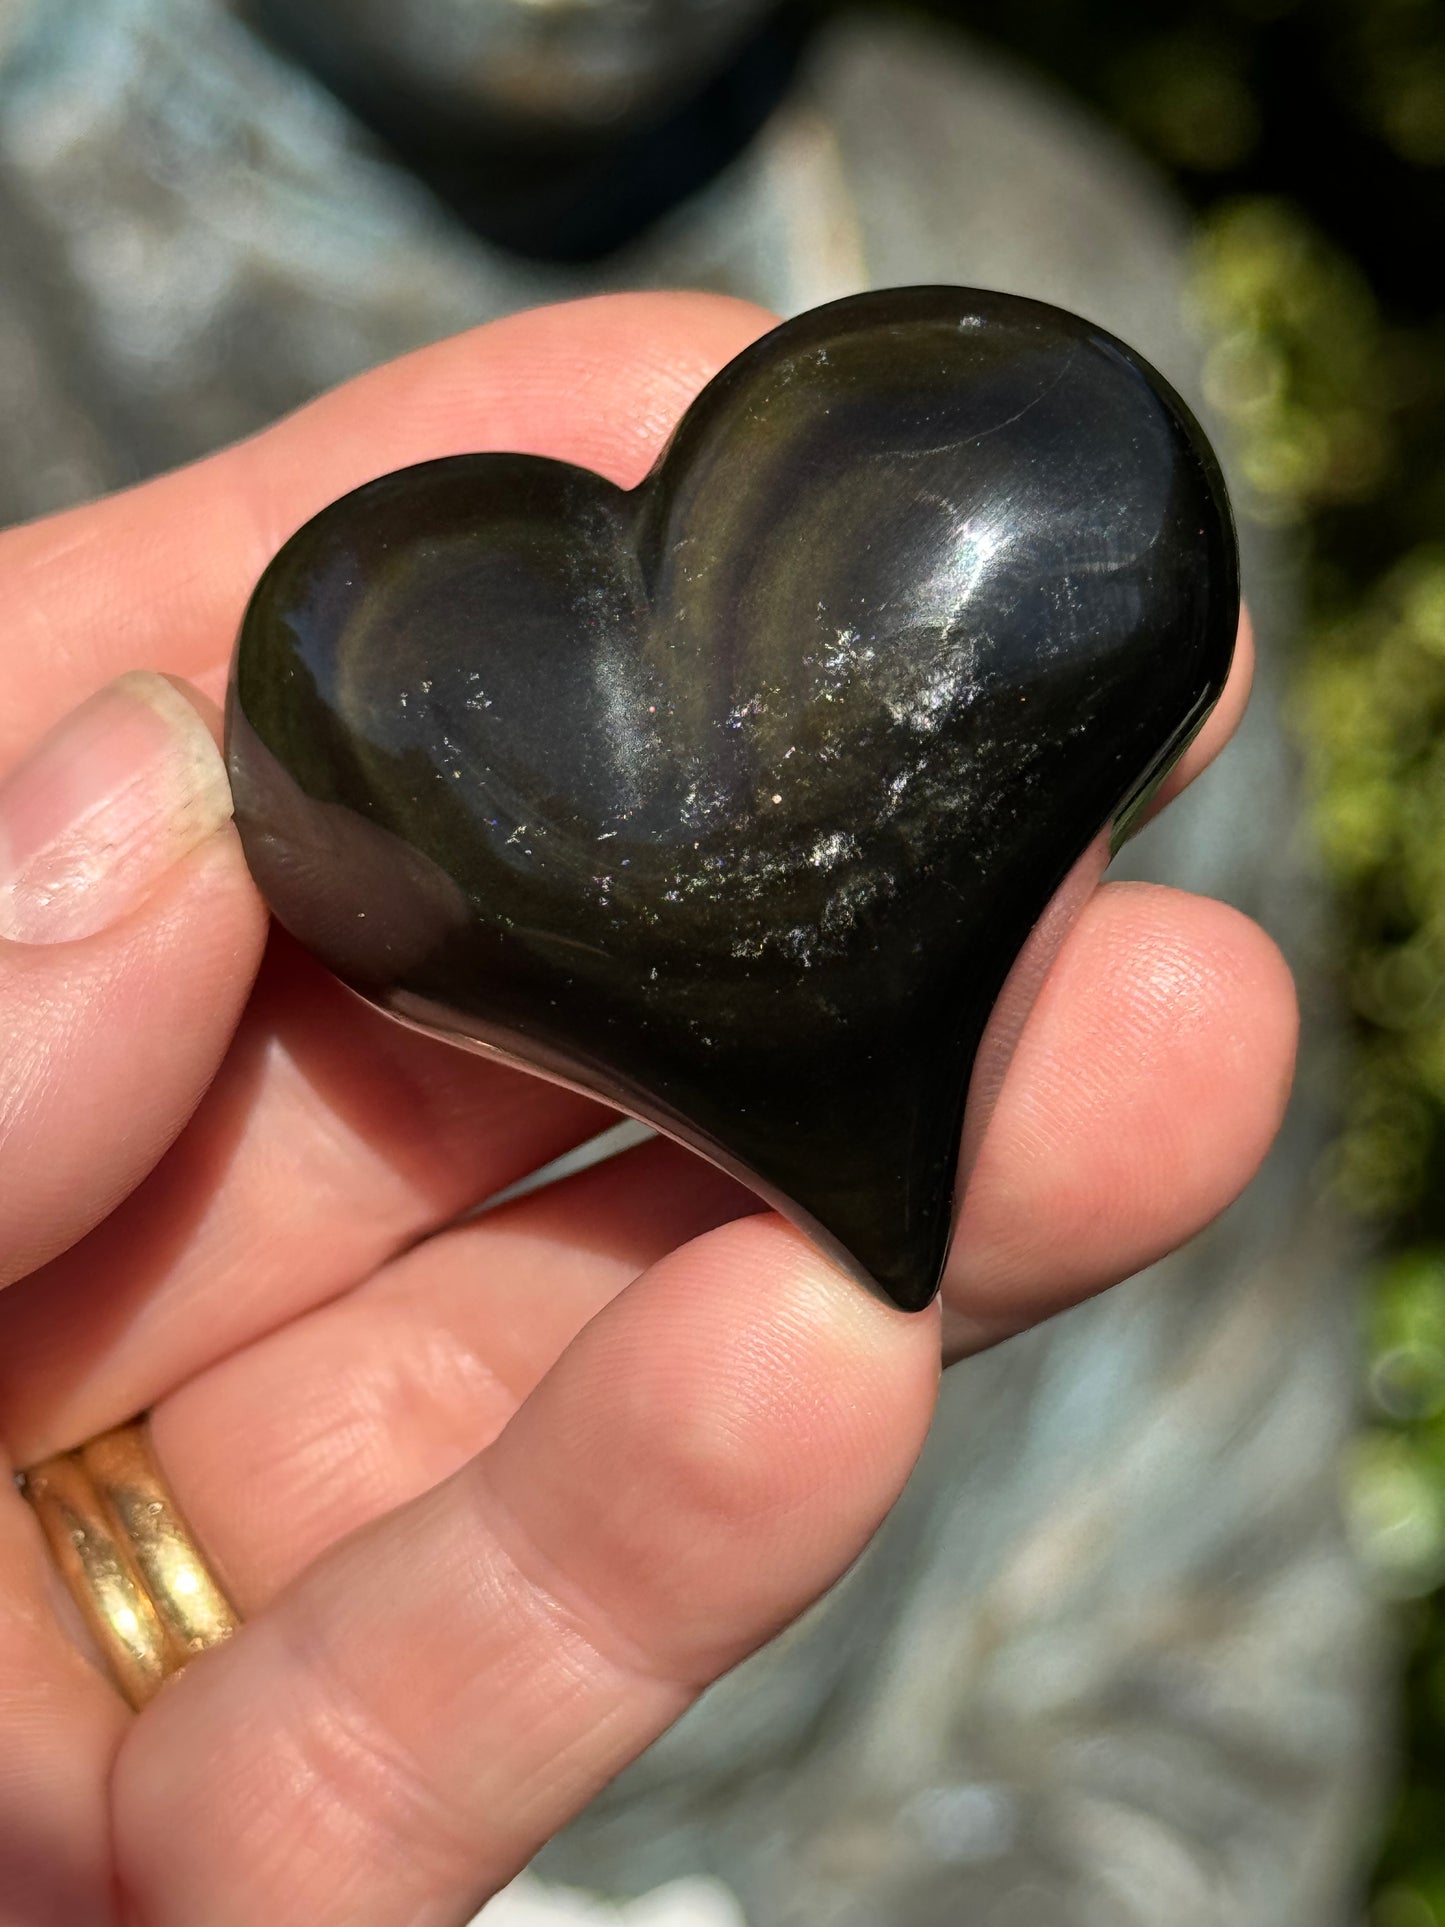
x=734, y=797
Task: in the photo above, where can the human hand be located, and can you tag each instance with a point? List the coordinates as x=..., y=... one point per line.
x=496, y=1499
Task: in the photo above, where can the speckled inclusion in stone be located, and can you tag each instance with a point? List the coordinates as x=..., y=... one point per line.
x=734, y=797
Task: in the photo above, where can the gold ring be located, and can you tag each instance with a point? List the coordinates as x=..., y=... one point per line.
x=129, y=1559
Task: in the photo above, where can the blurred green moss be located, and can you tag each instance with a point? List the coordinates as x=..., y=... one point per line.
x=1294, y=367
x=1319, y=385
x=1184, y=94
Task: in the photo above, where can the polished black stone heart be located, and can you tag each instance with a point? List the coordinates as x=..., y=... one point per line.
x=734, y=797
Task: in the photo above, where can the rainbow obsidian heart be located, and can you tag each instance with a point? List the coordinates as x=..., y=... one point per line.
x=734, y=797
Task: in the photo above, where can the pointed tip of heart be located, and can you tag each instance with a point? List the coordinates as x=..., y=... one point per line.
x=906, y=1278
x=883, y=1217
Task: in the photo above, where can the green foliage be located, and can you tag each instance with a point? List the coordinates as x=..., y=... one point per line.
x=1314, y=382
x=1317, y=386
x=1294, y=366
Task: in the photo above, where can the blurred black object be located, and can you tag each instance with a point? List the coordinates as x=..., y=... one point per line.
x=575, y=159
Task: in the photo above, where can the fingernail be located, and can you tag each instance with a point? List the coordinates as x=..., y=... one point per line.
x=108, y=802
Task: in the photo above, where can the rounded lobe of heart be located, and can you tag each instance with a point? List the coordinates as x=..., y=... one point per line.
x=733, y=798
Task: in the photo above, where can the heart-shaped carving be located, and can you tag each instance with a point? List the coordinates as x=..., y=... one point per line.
x=734, y=797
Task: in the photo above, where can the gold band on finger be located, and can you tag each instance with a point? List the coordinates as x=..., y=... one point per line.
x=192, y=1607
x=129, y=1559
x=101, y=1576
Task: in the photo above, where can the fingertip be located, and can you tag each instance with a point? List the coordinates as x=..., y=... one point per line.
x=206, y=695
x=1145, y=1091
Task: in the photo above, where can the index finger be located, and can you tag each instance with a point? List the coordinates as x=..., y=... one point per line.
x=158, y=577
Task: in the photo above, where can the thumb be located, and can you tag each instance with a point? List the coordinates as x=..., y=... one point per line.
x=129, y=935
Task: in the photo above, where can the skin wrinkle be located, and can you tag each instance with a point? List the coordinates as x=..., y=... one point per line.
x=76, y=1002
x=372, y=1439
x=342, y=1747
x=451, y=1379
x=567, y=1609
x=423, y=1109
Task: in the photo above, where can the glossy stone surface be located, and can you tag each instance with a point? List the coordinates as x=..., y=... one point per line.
x=734, y=797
